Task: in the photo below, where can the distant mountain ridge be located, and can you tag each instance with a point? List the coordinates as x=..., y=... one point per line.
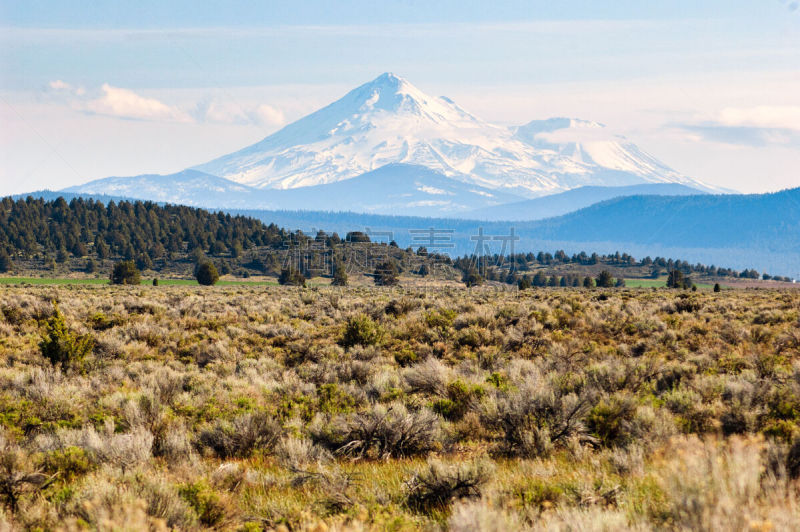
x=769, y=222
x=573, y=200
x=189, y=187
x=392, y=189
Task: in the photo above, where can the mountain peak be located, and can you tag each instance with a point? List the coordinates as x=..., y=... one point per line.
x=388, y=80
x=389, y=120
x=389, y=92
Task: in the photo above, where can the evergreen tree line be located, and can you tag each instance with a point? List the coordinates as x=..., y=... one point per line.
x=509, y=268
x=141, y=231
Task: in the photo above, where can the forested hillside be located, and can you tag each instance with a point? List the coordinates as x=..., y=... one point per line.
x=769, y=222
x=81, y=227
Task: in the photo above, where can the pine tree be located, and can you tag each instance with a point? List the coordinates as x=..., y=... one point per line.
x=472, y=277
x=206, y=274
x=339, y=275
x=675, y=279
x=291, y=277
x=386, y=274
x=605, y=279
x=125, y=272
x=5, y=262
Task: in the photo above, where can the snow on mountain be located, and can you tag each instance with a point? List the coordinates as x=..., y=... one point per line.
x=388, y=120
x=190, y=187
x=614, y=159
x=398, y=189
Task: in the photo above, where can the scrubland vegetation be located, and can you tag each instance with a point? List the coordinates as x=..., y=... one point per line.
x=242, y=408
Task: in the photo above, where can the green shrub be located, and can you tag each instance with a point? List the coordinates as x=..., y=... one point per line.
x=339, y=275
x=610, y=419
x=604, y=279
x=101, y=322
x=333, y=400
x=440, y=319
x=361, y=330
x=205, y=502
x=406, y=357
x=472, y=278
x=539, y=494
x=69, y=463
x=460, y=397
x=498, y=380
x=61, y=346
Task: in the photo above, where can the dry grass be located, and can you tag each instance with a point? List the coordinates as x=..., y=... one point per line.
x=241, y=408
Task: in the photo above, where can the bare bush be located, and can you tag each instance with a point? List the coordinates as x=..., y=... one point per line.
x=381, y=432
x=719, y=487
x=295, y=453
x=438, y=484
x=480, y=516
x=535, y=418
x=429, y=376
x=17, y=474
x=124, y=450
x=248, y=432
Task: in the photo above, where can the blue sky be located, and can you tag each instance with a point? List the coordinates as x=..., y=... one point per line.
x=121, y=88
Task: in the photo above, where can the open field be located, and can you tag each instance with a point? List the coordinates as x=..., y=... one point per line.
x=659, y=283
x=144, y=282
x=252, y=407
x=630, y=283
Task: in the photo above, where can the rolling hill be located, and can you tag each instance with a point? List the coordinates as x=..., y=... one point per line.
x=573, y=200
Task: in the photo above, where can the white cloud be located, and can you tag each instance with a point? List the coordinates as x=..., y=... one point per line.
x=124, y=103
x=60, y=85
x=762, y=116
x=220, y=112
x=760, y=125
x=269, y=115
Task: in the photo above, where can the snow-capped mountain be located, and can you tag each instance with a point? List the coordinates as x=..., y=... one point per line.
x=189, y=187
x=388, y=120
x=613, y=159
x=398, y=189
